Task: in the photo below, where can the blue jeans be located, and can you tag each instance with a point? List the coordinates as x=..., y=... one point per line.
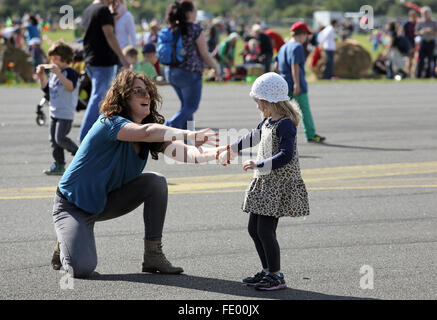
x=188, y=87
x=101, y=78
x=329, y=69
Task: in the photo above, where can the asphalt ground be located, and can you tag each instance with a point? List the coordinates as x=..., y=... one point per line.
x=372, y=188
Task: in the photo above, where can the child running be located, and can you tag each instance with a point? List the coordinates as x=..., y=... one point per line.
x=277, y=189
x=62, y=86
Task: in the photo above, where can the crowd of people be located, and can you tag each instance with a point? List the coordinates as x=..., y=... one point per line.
x=25, y=34
x=410, y=48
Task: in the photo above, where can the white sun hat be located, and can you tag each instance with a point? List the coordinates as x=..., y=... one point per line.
x=270, y=87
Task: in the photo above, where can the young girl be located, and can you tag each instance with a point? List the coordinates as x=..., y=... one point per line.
x=277, y=189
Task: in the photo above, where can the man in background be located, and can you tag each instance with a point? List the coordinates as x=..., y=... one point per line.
x=426, y=28
x=326, y=39
x=409, y=32
x=102, y=52
x=265, y=45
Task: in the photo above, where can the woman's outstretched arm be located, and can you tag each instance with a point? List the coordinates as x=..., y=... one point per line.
x=181, y=152
x=153, y=132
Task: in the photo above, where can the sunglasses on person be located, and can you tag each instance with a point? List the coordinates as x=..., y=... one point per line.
x=141, y=93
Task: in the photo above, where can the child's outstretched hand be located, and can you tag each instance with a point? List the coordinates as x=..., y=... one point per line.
x=226, y=156
x=249, y=164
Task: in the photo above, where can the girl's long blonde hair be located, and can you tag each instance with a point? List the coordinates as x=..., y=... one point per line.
x=289, y=109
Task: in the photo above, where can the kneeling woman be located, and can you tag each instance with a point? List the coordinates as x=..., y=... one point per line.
x=105, y=180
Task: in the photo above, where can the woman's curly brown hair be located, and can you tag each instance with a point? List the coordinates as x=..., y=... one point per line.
x=116, y=102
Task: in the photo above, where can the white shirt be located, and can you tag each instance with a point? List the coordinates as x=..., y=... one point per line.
x=125, y=30
x=327, y=38
x=8, y=32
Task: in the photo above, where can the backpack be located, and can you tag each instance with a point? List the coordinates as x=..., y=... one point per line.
x=171, y=51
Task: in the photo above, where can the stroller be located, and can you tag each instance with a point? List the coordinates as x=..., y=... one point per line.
x=84, y=84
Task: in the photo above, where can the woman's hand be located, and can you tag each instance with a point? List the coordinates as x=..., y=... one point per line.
x=209, y=154
x=181, y=152
x=249, y=164
x=205, y=136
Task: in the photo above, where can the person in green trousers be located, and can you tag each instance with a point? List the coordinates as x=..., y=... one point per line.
x=290, y=64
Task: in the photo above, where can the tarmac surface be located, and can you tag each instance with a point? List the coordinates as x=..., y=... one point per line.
x=372, y=188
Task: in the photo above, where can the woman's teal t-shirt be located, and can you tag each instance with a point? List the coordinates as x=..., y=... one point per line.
x=101, y=165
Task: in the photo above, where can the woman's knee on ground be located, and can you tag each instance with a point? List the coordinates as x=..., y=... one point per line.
x=81, y=267
x=80, y=261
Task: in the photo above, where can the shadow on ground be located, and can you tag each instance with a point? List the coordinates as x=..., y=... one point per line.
x=218, y=286
x=361, y=148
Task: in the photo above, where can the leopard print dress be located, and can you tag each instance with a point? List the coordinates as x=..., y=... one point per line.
x=280, y=192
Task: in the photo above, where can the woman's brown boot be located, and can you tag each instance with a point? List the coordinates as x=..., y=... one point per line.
x=56, y=258
x=155, y=261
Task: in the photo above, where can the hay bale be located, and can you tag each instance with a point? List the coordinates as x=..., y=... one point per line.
x=21, y=59
x=255, y=70
x=351, y=61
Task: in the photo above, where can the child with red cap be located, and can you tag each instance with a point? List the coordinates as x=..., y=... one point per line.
x=290, y=63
